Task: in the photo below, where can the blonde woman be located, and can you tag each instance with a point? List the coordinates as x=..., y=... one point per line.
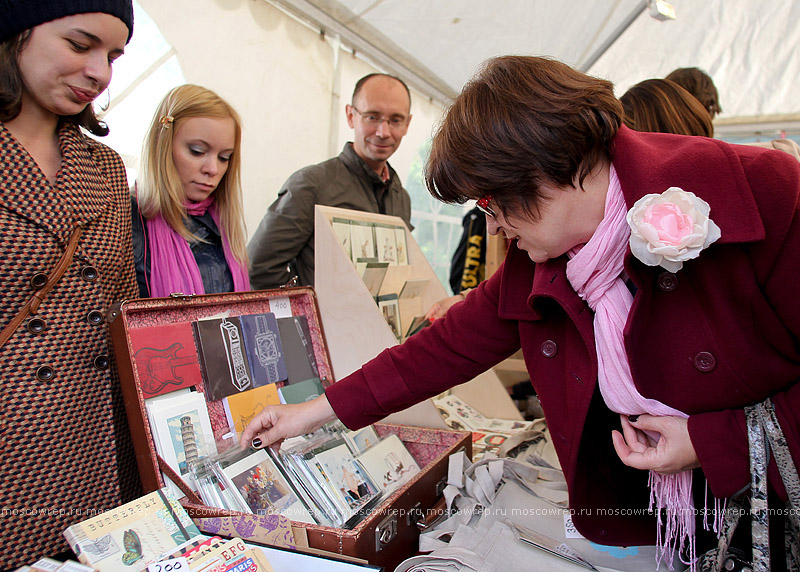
x=188, y=228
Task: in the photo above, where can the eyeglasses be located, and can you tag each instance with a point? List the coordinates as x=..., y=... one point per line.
x=374, y=120
x=483, y=205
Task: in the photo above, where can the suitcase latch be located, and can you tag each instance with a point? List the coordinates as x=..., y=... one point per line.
x=385, y=532
x=415, y=515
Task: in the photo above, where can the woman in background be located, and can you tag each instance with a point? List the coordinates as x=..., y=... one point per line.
x=66, y=259
x=700, y=85
x=188, y=226
x=661, y=106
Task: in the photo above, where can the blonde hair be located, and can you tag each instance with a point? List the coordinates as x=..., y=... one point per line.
x=158, y=186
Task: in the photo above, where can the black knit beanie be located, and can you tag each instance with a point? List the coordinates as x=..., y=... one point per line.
x=19, y=15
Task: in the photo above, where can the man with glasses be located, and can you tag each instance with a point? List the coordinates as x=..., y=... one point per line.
x=360, y=178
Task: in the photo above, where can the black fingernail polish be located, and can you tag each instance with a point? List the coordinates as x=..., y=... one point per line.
x=633, y=418
x=256, y=442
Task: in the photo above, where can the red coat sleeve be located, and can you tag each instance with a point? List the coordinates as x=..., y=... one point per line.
x=470, y=339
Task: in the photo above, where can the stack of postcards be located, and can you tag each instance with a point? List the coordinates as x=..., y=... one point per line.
x=333, y=477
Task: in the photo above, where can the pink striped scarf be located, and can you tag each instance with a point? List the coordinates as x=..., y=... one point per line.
x=173, y=267
x=595, y=273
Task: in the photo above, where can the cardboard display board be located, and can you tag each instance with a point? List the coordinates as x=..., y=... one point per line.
x=355, y=326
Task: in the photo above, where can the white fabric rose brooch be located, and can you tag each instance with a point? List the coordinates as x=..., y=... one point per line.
x=670, y=228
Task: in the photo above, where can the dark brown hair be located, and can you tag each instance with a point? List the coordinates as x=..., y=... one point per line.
x=11, y=88
x=519, y=122
x=700, y=85
x=661, y=106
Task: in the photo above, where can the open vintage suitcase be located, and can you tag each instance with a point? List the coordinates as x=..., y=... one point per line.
x=390, y=533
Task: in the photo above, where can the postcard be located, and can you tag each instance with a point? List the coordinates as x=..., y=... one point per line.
x=373, y=276
x=503, y=425
x=223, y=357
x=131, y=536
x=298, y=349
x=390, y=308
x=414, y=288
x=361, y=440
x=341, y=228
x=264, y=488
x=389, y=463
x=242, y=407
x=458, y=414
x=301, y=391
x=402, y=245
x=349, y=480
x=182, y=433
x=363, y=240
x=417, y=324
x=486, y=440
x=262, y=342
x=165, y=358
x=386, y=244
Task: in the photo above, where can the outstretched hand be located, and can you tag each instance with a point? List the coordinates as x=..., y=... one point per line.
x=670, y=452
x=440, y=308
x=275, y=423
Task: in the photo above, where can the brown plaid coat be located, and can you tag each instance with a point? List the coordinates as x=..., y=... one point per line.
x=65, y=448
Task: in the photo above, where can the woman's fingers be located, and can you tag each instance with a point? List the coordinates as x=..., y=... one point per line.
x=275, y=423
x=671, y=452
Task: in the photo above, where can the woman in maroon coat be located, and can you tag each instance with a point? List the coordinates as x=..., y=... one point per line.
x=672, y=258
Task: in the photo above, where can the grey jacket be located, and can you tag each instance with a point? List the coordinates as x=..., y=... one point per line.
x=283, y=244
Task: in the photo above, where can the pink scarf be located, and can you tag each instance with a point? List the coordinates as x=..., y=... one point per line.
x=173, y=267
x=595, y=273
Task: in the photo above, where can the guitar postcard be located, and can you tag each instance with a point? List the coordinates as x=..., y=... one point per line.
x=165, y=358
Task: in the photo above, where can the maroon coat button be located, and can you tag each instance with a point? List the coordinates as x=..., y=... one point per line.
x=705, y=361
x=667, y=281
x=549, y=349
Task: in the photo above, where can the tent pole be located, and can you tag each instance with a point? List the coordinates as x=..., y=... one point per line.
x=626, y=23
x=378, y=49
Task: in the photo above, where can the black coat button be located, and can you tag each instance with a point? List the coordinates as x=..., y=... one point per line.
x=705, y=361
x=36, y=325
x=95, y=317
x=89, y=273
x=101, y=362
x=38, y=280
x=549, y=348
x=667, y=281
x=45, y=373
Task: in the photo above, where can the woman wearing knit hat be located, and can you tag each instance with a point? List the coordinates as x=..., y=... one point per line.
x=66, y=258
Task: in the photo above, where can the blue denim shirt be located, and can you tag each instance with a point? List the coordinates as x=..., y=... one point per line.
x=208, y=253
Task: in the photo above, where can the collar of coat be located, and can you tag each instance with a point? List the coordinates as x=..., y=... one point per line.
x=357, y=165
x=80, y=194
x=646, y=163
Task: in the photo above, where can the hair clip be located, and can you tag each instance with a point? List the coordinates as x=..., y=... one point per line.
x=166, y=121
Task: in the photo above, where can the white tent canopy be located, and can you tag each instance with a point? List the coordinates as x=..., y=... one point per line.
x=748, y=47
x=289, y=66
